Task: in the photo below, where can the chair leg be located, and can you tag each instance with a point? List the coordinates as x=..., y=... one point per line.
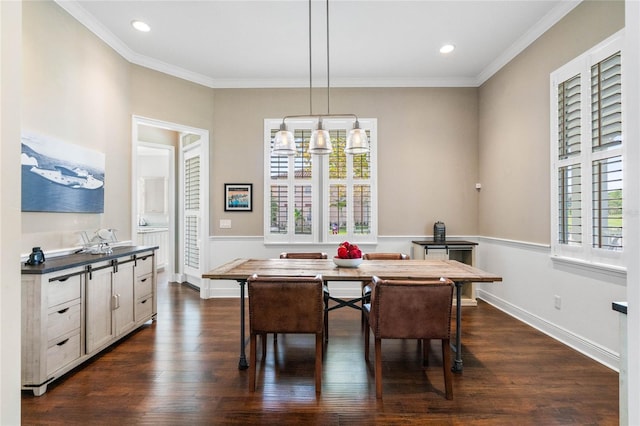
x=425, y=352
x=326, y=317
x=446, y=365
x=378, y=368
x=318, y=372
x=367, y=332
x=275, y=337
x=252, y=363
x=263, y=337
x=362, y=303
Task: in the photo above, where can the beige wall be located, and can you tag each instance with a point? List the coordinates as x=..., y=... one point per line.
x=76, y=89
x=163, y=97
x=434, y=144
x=427, y=137
x=158, y=136
x=514, y=125
x=427, y=152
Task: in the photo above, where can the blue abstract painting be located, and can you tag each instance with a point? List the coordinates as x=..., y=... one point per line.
x=59, y=176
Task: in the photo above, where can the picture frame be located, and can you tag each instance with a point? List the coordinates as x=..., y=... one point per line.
x=238, y=197
x=61, y=177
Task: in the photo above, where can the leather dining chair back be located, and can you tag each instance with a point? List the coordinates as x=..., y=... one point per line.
x=303, y=255
x=365, y=288
x=410, y=309
x=385, y=256
x=312, y=255
x=285, y=305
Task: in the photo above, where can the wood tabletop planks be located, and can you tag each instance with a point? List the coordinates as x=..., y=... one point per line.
x=239, y=269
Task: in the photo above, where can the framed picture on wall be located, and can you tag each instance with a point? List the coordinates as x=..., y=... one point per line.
x=238, y=197
x=58, y=176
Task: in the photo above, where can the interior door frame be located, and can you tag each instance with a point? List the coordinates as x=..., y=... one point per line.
x=171, y=200
x=177, y=271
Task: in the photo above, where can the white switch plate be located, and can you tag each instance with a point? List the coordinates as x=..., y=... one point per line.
x=225, y=223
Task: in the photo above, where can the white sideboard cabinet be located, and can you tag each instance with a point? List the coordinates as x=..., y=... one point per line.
x=75, y=306
x=109, y=303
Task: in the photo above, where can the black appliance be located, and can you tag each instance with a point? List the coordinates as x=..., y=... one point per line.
x=439, y=232
x=36, y=257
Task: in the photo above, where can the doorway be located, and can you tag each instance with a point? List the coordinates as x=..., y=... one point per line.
x=159, y=192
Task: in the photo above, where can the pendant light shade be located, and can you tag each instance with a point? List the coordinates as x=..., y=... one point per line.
x=320, y=143
x=357, y=141
x=284, y=143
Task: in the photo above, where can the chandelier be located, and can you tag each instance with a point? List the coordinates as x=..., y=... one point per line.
x=320, y=143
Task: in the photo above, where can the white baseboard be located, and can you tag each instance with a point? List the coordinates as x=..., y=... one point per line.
x=584, y=346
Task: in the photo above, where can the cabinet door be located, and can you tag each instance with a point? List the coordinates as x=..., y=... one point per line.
x=124, y=302
x=99, y=330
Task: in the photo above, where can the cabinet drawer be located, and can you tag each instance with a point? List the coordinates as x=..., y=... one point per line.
x=144, y=308
x=143, y=285
x=63, y=352
x=63, y=319
x=63, y=290
x=144, y=264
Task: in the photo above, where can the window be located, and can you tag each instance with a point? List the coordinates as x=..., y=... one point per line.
x=587, y=156
x=320, y=199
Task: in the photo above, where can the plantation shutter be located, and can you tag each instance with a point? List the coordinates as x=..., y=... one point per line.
x=569, y=170
x=606, y=143
x=191, y=210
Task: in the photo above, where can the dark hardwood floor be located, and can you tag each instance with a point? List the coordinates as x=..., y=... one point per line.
x=182, y=369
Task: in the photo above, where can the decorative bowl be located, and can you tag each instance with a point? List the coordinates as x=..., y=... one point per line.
x=347, y=263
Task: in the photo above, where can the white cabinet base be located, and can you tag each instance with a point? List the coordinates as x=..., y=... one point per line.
x=72, y=312
x=454, y=250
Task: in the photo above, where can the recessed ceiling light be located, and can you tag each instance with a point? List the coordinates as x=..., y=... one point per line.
x=447, y=48
x=141, y=26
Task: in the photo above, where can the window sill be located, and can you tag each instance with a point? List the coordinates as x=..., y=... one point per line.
x=618, y=271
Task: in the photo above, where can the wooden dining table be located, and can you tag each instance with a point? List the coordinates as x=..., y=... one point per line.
x=241, y=269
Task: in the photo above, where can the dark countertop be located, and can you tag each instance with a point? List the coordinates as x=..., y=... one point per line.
x=59, y=263
x=445, y=243
x=620, y=307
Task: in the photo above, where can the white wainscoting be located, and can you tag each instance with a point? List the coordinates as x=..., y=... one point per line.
x=531, y=282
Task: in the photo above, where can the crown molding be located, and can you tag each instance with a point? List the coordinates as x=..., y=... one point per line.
x=74, y=9
x=542, y=26
x=92, y=24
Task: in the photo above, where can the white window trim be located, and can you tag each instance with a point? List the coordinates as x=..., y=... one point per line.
x=320, y=186
x=584, y=253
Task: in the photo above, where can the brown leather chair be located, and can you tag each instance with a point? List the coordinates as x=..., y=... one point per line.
x=285, y=305
x=366, y=289
x=303, y=255
x=410, y=309
x=312, y=255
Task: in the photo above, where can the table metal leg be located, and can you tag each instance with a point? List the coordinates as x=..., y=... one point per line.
x=457, y=363
x=242, y=364
x=341, y=303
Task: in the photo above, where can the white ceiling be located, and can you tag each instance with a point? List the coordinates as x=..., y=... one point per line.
x=372, y=43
